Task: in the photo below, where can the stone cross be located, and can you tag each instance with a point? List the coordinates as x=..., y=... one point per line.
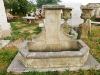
x=4, y=25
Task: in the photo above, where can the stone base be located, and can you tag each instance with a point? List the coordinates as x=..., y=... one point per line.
x=5, y=33
x=3, y=43
x=17, y=67
x=5, y=30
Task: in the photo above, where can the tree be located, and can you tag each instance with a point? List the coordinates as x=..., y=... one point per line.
x=19, y=6
x=44, y=2
x=8, y=3
x=31, y=7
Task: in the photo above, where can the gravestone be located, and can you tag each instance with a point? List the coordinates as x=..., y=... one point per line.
x=4, y=25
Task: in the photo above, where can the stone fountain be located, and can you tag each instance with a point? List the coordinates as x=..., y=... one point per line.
x=51, y=50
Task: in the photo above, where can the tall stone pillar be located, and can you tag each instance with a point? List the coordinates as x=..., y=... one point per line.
x=52, y=24
x=4, y=25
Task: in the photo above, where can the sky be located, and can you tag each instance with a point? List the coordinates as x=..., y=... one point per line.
x=84, y=2
x=76, y=12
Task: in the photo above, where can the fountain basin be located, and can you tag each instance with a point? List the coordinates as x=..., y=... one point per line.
x=55, y=59
x=64, y=45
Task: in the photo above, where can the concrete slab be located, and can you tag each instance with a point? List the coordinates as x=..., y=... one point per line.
x=17, y=67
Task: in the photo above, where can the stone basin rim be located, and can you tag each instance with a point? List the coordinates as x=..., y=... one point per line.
x=85, y=49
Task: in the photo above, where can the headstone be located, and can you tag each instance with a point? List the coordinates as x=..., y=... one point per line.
x=4, y=25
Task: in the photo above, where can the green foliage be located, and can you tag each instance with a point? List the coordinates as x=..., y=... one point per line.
x=44, y=2
x=31, y=7
x=22, y=7
x=2, y=72
x=98, y=47
x=6, y=56
x=81, y=72
x=19, y=7
x=8, y=3
x=22, y=30
x=42, y=73
x=97, y=72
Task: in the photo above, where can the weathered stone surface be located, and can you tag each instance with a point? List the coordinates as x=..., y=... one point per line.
x=67, y=13
x=55, y=59
x=3, y=43
x=6, y=32
x=52, y=62
x=86, y=12
x=54, y=38
x=4, y=25
x=52, y=48
x=55, y=46
x=53, y=7
x=86, y=26
x=84, y=29
x=17, y=67
x=81, y=52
